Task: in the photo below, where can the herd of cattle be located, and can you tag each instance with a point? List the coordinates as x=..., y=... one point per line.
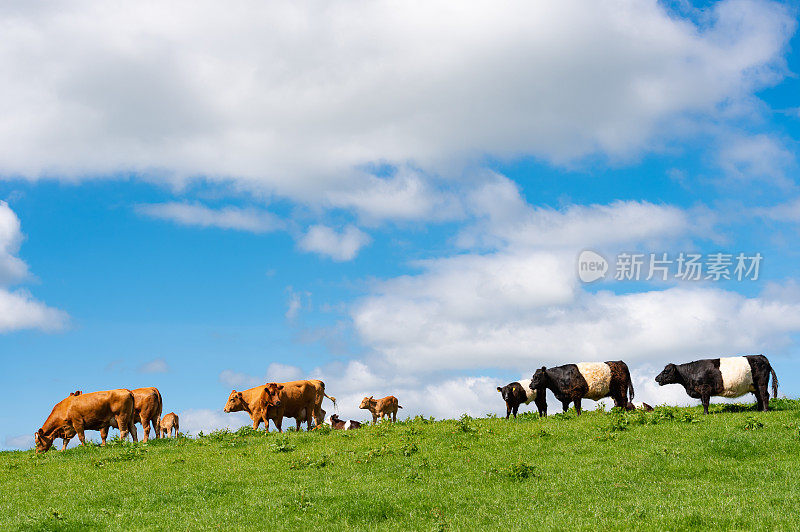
x=302, y=400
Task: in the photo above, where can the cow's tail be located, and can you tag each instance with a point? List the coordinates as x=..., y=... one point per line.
x=332, y=398
x=774, y=383
x=398, y=406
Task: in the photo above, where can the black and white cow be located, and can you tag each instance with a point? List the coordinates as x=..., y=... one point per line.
x=339, y=424
x=591, y=380
x=517, y=393
x=725, y=377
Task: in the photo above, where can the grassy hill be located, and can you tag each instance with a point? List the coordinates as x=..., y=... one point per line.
x=671, y=469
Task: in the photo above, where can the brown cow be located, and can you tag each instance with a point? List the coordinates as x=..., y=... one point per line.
x=168, y=423
x=291, y=399
x=249, y=401
x=88, y=411
x=147, y=409
x=381, y=407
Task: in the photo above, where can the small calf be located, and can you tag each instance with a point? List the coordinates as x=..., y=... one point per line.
x=381, y=407
x=168, y=423
x=338, y=424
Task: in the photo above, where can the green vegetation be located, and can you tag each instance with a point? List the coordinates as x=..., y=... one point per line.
x=669, y=469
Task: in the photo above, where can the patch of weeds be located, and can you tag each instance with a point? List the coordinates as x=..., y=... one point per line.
x=465, y=424
x=412, y=431
x=459, y=446
x=409, y=448
x=517, y=472
x=308, y=461
x=564, y=416
x=441, y=522
x=688, y=417
x=325, y=429
x=783, y=403
x=423, y=420
x=737, y=447
x=752, y=423
x=375, y=453
x=601, y=407
x=247, y=430
x=541, y=433
x=282, y=444
x=618, y=420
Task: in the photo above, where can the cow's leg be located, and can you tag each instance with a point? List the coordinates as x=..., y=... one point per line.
x=146, y=427
x=279, y=423
x=64, y=442
x=565, y=405
x=394, y=416
x=78, y=426
x=516, y=409
x=578, y=405
x=256, y=422
x=508, y=410
x=103, y=434
x=705, y=399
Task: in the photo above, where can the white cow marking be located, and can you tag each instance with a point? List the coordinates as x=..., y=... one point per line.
x=737, y=376
x=598, y=377
x=530, y=395
x=348, y=425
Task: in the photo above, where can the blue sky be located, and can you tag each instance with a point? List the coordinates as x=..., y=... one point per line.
x=391, y=198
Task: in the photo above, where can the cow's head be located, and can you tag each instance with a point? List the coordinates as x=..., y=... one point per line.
x=271, y=395
x=334, y=418
x=668, y=376
x=367, y=402
x=43, y=443
x=236, y=402
x=76, y=392
x=505, y=391
x=539, y=378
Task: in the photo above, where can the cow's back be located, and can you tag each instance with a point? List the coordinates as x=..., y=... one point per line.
x=95, y=409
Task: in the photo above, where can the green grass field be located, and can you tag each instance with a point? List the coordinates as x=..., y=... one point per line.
x=671, y=469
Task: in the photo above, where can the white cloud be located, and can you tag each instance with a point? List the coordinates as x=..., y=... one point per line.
x=18, y=309
x=342, y=246
x=238, y=380
x=522, y=305
x=194, y=420
x=505, y=218
x=303, y=99
x=282, y=373
x=758, y=157
x=252, y=220
x=785, y=212
x=12, y=269
x=157, y=365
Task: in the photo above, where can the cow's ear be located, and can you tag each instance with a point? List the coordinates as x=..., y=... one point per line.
x=544, y=368
x=280, y=386
x=499, y=389
x=78, y=392
x=240, y=395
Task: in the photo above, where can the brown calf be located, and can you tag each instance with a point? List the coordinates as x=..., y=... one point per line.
x=381, y=407
x=88, y=411
x=168, y=423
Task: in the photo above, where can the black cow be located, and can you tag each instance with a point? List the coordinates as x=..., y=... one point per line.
x=593, y=380
x=726, y=377
x=516, y=393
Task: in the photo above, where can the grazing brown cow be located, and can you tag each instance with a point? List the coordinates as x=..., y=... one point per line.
x=249, y=401
x=381, y=407
x=88, y=411
x=147, y=409
x=168, y=423
x=291, y=399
